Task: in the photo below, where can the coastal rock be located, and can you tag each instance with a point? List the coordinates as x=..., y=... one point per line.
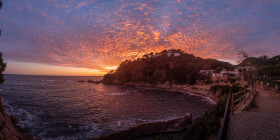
x=150, y=127
x=8, y=128
x=14, y=120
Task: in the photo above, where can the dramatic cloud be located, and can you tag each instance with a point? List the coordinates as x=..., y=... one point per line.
x=99, y=34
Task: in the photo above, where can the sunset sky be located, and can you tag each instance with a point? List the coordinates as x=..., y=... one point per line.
x=91, y=37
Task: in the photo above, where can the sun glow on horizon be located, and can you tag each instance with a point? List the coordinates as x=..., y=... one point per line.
x=23, y=68
x=111, y=67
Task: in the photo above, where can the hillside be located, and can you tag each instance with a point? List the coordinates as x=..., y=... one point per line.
x=172, y=66
x=267, y=67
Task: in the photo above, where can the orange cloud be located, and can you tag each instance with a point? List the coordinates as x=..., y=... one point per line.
x=99, y=35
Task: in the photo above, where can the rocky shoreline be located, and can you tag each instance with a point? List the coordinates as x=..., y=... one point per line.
x=9, y=130
x=200, y=90
x=175, y=125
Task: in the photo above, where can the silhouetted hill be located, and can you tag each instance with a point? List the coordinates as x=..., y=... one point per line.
x=173, y=66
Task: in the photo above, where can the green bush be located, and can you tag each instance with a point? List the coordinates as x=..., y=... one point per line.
x=207, y=124
x=208, y=82
x=225, y=89
x=214, y=88
x=231, y=80
x=272, y=83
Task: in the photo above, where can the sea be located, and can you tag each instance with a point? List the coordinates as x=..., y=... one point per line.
x=60, y=107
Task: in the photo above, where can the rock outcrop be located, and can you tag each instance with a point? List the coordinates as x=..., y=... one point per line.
x=149, y=128
x=9, y=130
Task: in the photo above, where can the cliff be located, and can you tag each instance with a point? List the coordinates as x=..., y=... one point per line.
x=8, y=128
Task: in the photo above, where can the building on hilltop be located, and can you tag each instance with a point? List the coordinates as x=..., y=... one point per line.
x=206, y=72
x=168, y=53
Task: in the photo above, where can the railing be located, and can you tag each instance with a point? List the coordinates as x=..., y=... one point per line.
x=234, y=101
x=223, y=129
x=224, y=126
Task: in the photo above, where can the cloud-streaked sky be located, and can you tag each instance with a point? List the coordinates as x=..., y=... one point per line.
x=96, y=35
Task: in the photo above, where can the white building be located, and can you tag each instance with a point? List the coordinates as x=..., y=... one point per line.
x=246, y=68
x=174, y=54
x=221, y=75
x=206, y=72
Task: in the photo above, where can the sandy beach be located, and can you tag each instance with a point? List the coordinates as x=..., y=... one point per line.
x=198, y=89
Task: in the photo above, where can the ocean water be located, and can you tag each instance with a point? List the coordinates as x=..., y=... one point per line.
x=51, y=107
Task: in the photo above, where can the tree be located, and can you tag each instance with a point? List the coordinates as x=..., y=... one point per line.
x=162, y=68
x=248, y=75
x=2, y=68
x=242, y=56
x=2, y=64
x=264, y=60
x=0, y=8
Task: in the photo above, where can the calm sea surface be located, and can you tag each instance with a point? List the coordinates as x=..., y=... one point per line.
x=62, y=108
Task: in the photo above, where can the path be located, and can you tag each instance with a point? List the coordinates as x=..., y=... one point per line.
x=260, y=122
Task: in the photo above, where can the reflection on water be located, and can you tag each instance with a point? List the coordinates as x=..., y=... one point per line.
x=60, y=107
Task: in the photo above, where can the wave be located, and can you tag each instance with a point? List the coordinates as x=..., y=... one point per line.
x=48, y=80
x=208, y=99
x=27, y=119
x=88, y=131
x=117, y=93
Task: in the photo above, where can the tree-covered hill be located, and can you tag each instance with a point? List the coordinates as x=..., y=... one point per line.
x=173, y=66
x=266, y=67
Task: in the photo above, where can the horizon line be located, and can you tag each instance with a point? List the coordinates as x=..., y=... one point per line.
x=52, y=75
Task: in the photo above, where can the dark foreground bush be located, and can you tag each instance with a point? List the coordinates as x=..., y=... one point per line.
x=207, y=124
x=226, y=89
x=272, y=82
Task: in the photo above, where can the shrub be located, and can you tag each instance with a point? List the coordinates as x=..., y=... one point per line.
x=231, y=80
x=225, y=89
x=208, y=82
x=207, y=124
x=272, y=82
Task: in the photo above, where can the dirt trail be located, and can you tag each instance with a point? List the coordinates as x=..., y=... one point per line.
x=266, y=101
x=261, y=121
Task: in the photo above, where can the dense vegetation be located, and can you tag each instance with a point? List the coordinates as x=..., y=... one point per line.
x=172, y=66
x=208, y=124
x=225, y=89
x=272, y=83
x=2, y=64
x=266, y=67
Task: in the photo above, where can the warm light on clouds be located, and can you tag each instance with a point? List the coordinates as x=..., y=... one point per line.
x=111, y=67
x=100, y=34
